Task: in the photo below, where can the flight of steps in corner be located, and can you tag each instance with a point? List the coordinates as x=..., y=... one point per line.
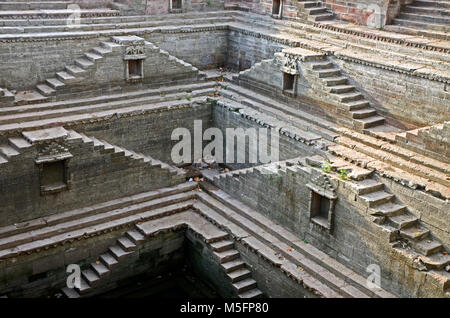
x=315, y=11
x=12, y=148
x=236, y=269
x=139, y=158
x=407, y=231
x=356, y=107
x=78, y=71
x=95, y=274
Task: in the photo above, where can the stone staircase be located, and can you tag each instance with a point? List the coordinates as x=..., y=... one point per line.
x=337, y=85
x=221, y=246
x=425, y=14
x=236, y=269
x=13, y=147
x=314, y=11
x=409, y=168
x=84, y=67
x=170, y=172
x=298, y=260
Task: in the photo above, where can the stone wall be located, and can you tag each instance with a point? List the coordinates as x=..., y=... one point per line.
x=246, y=49
x=25, y=64
x=94, y=176
x=264, y=7
x=150, y=134
x=288, y=148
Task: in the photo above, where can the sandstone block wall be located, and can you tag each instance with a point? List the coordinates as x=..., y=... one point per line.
x=95, y=176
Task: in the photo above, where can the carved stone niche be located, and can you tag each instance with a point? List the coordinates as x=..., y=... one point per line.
x=277, y=9
x=290, y=74
x=176, y=6
x=52, y=159
x=322, y=201
x=134, y=56
x=53, y=162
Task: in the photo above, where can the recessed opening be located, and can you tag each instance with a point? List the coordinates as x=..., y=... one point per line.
x=320, y=208
x=53, y=174
x=134, y=69
x=288, y=82
x=276, y=5
x=176, y=4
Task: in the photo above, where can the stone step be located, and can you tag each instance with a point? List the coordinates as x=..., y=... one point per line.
x=91, y=277
x=310, y=4
x=54, y=83
x=33, y=5
x=84, y=287
x=327, y=73
x=65, y=77
x=350, y=97
x=74, y=70
x=315, y=11
x=8, y=152
x=340, y=89
x=233, y=265
x=426, y=10
x=320, y=17
x=363, y=113
x=239, y=274
x=357, y=105
x=135, y=236
x=370, y=122
x=222, y=245
x=427, y=247
x=101, y=50
x=108, y=260
x=92, y=57
x=252, y=293
x=45, y=89
x=438, y=261
x=126, y=244
x=321, y=65
x=226, y=256
x=70, y=292
x=389, y=209
x=84, y=63
x=422, y=25
x=245, y=285
x=415, y=233
x=118, y=252
x=333, y=81
x=435, y=19
x=432, y=3
x=402, y=221
x=376, y=198
x=368, y=186
x=100, y=269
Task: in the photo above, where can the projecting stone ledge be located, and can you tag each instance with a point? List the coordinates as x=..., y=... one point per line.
x=45, y=135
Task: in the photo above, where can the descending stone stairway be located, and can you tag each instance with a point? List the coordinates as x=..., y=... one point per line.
x=84, y=67
x=105, y=147
x=425, y=14
x=316, y=270
x=314, y=11
x=338, y=87
x=222, y=247
x=12, y=148
x=410, y=168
